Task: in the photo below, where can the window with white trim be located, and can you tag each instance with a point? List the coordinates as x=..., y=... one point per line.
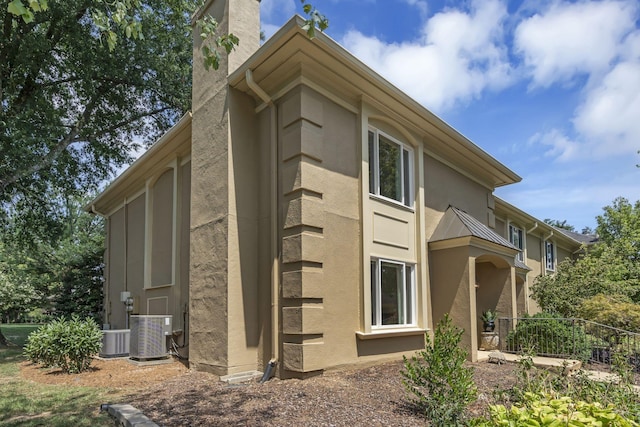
x=390, y=168
x=516, y=238
x=392, y=293
x=550, y=256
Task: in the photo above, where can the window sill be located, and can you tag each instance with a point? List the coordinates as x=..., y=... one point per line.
x=391, y=202
x=388, y=333
x=148, y=288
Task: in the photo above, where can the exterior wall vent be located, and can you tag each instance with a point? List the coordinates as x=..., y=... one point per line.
x=115, y=343
x=149, y=336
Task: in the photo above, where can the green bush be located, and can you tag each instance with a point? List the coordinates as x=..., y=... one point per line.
x=544, y=410
x=546, y=335
x=66, y=344
x=612, y=310
x=436, y=378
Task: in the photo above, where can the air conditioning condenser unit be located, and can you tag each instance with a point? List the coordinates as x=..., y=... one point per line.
x=115, y=343
x=149, y=336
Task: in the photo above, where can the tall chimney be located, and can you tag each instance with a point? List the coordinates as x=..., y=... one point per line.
x=220, y=332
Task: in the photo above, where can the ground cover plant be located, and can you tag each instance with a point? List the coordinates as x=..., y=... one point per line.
x=546, y=398
x=545, y=410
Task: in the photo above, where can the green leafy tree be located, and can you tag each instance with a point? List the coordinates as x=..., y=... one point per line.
x=66, y=269
x=84, y=83
x=73, y=106
x=610, y=267
x=560, y=224
x=619, y=227
x=16, y=297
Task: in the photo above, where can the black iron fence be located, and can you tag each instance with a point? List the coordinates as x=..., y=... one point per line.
x=587, y=341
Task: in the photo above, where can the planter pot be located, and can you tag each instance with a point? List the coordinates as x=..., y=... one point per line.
x=489, y=326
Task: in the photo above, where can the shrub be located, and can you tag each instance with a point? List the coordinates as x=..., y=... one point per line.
x=440, y=385
x=612, y=310
x=547, y=335
x=67, y=344
x=544, y=410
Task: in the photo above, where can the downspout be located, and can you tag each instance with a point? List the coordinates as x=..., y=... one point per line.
x=535, y=225
x=275, y=266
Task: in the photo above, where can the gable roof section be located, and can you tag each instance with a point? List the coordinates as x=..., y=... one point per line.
x=456, y=223
x=586, y=239
x=290, y=58
x=571, y=240
x=175, y=142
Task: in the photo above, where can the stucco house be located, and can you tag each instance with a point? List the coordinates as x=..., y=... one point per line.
x=308, y=212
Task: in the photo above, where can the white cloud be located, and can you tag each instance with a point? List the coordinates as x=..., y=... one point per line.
x=271, y=9
x=569, y=39
x=459, y=55
x=610, y=115
x=561, y=147
x=421, y=5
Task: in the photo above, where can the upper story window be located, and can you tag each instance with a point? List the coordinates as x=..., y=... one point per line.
x=550, y=256
x=390, y=168
x=392, y=293
x=516, y=238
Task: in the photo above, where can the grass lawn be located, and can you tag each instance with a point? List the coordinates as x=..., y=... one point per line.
x=25, y=403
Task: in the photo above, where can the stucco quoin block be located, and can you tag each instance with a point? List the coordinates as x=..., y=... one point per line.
x=303, y=211
x=302, y=284
x=302, y=320
x=303, y=357
x=298, y=175
x=305, y=106
x=303, y=247
x=302, y=138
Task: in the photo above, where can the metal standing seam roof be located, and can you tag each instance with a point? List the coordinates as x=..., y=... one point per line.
x=481, y=231
x=521, y=265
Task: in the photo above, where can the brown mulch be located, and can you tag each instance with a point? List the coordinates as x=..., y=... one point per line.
x=116, y=374
x=172, y=395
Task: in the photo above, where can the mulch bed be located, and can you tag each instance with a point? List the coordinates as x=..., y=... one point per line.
x=172, y=395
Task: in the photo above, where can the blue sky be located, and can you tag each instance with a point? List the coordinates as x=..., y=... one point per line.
x=549, y=88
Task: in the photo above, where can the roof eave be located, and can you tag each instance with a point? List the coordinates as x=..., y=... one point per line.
x=501, y=174
x=131, y=172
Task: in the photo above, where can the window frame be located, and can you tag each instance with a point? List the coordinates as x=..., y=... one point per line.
x=550, y=262
x=409, y=298
x=512, y=228
x=406, y=174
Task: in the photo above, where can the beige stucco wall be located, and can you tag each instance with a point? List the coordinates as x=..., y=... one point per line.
x=319, y=197
x=133, y=258
x=444, y=187
x=224, y=204
x=453, y=291
x=115, y=266
x=161, y=201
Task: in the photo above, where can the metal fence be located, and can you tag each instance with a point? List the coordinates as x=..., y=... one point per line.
x=580, y=339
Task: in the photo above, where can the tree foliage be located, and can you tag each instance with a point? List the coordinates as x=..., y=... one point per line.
x=63, y=273
x=560, y=224
x=609, y=267
x=613, y=310
x=16, y=296
x=73, y=107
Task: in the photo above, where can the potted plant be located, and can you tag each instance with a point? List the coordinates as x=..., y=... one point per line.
x=489, y=317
